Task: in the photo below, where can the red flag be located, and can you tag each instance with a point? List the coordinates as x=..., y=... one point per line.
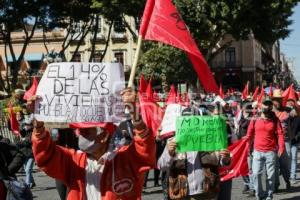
x=32, y=90
x=221, y=93
x=271, y=90
x=162, y=22
x=255, y=93
x=171, y=98
x=143, y=84
x=239, y=165
x=14, y=124
x=289, y=93
x=151, y=113
x=261, y=96
x=245, y=91
x=149, y=92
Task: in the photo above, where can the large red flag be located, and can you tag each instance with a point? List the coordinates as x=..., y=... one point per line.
x=239, y=165
x=151, y=113
x=162, y=22
x=171, y=98
x=221, y=93
x=32, y=90
x=245, y=91
x=14, y=124
x=143, y=84
x=255, y=93
x=149, y=92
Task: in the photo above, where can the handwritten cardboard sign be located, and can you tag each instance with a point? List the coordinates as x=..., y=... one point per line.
x=201, y=133
x=81, y=92
x=169, y=121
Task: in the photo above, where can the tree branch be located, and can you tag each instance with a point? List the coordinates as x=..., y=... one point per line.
x=134, y=35
x=107, y=40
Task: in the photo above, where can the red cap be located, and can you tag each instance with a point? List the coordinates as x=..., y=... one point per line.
x=110, y=127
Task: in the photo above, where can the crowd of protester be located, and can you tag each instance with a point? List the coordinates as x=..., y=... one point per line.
x=109, y=161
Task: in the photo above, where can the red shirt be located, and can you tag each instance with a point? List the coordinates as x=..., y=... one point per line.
x=127, y=170
x=268, y=134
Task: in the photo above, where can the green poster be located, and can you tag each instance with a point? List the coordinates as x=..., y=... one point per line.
x=201, y=133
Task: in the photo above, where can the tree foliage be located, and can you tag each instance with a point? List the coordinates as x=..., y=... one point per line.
x=167, y=64
x=210, y=20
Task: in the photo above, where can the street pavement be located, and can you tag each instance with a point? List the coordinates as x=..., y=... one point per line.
x=45, y=189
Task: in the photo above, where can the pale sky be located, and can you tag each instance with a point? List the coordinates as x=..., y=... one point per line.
x=291, y=45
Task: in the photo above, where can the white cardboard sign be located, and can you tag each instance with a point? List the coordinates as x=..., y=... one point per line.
x=81, y=92
x=169, y=121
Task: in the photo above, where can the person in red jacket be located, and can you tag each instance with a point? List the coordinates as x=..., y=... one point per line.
x=98, y=172
x=268, y=140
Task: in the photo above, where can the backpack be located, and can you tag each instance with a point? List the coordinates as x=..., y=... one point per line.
x=177, y=180
x=16, y=189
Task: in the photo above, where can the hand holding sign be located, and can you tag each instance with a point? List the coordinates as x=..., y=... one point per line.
x=81, y=92
x=201, y=133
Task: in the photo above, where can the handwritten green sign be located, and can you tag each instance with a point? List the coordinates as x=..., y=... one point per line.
x=201, y=133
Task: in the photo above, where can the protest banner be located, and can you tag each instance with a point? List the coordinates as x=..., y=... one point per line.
x=201, y=133
x=168, y=124
x=81, y=92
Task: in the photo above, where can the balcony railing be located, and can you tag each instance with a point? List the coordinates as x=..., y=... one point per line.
x=116, y=36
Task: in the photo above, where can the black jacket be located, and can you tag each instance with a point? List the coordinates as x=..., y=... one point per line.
x=11, y=160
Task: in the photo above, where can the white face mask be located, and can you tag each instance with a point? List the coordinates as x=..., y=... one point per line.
x=89, y=146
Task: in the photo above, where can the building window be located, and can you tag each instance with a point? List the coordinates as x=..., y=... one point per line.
x=119, y=25
x=99, y=29
x=76, y=28
x=230, y=56
x=98, y=56
x=119, y=57
x=137, y=22
x=76, y=57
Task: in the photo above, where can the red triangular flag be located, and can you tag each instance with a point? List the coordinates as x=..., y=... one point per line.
x=271, y=90
x=289, y=93
x=261, y=96
x=245, y=91
x=171, y=98
x=151, y=113
x=143, y=84
x=32, y=90
x=14, y=124
x=221, y=93
x=239, y=166
x=162, y=22
x=255, y=93
x=149, y=92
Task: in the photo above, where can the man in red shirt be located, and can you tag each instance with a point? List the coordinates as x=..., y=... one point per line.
x=98, y=172
x=268, y=140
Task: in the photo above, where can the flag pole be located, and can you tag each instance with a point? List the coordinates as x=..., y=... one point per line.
x=135, y=62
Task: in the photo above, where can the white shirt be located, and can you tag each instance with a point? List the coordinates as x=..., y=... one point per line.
x=94, y=172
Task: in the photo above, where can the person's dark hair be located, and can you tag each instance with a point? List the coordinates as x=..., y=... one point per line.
x=268, y=102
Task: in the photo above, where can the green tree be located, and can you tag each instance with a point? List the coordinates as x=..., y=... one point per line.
x=167, y=64
x=23, y=16
x=211, y=20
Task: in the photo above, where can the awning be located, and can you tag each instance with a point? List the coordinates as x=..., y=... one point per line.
x=29, y=57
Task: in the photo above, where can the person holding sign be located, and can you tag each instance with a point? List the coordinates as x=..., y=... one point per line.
x=99, y=172
x=268, y=136
x=193, y=175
